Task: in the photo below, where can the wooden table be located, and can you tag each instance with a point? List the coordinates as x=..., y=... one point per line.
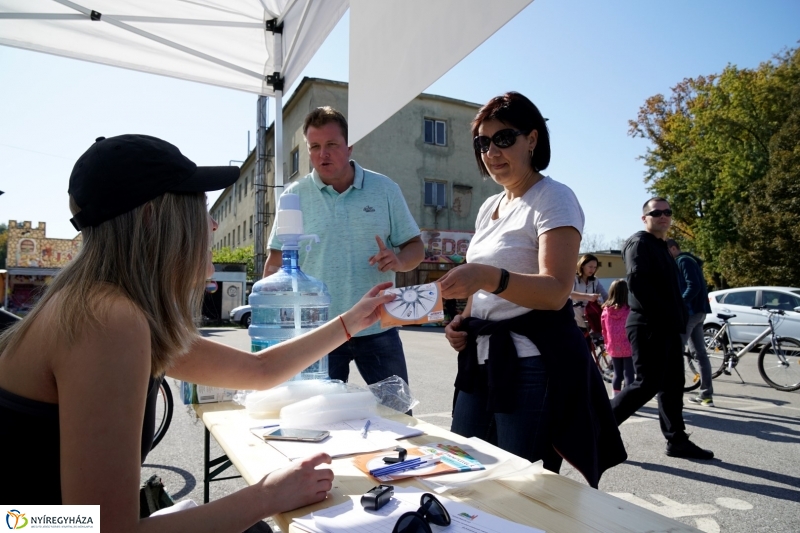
x=546, y=501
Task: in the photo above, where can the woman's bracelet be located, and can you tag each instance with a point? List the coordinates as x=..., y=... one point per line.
x=503, y=282
x=345, y=328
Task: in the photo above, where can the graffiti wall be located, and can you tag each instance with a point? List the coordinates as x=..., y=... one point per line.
x=29, y=247
x=446, y=246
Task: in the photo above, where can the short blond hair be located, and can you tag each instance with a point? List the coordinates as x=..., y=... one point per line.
x=155, y=256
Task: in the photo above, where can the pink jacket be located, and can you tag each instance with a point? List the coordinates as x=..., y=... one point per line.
x=616, y=339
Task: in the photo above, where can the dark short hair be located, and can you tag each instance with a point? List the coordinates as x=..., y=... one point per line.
x=673, y=242
x=653, y=199
x=325, y=115
x=518, y=112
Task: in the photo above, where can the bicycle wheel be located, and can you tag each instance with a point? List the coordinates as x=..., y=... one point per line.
x=780, y=367
x=691, y=372
x=604, y=363
x=717, y=348
x=164, y=408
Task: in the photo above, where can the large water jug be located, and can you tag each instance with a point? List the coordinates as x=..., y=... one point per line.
x=289, y=303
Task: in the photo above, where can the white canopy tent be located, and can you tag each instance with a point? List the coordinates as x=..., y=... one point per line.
x=397, y=48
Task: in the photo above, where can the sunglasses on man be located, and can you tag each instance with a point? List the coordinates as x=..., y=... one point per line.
x=502, y=139
x=431, y=511
x=656, y=213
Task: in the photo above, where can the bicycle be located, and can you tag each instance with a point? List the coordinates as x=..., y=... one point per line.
x=597, y=348
x=691, y=370
x=164, y=409
x=778, y=360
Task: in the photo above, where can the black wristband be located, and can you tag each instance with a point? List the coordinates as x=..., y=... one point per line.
x=503, y=282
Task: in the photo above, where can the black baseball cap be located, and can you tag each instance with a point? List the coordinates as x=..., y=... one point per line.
x=118, y=174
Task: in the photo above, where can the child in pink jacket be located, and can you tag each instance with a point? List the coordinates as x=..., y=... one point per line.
x=615, y=313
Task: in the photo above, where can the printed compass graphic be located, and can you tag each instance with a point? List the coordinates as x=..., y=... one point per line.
x=411, y=303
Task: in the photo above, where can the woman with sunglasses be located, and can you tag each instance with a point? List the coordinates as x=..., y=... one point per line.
x=525, y=379
x=79, y=375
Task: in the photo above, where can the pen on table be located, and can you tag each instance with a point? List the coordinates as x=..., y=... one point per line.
x=416, y=462
x=380, y=473
x=365, y=429
x=267, y=426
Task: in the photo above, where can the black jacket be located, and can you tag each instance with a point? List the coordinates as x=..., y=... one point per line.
x=654, y=292
x=576, y=404
x=692, y=283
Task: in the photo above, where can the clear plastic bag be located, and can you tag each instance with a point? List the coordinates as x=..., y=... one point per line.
x=393, y=395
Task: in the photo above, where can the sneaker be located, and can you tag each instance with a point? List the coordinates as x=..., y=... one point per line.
x=705, y=402
x=688, y=450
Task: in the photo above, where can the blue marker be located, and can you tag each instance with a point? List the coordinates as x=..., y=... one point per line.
x=365, y=430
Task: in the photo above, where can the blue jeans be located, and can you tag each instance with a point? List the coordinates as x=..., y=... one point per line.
x=377, y=357
x=694, y=333
x=524, y=432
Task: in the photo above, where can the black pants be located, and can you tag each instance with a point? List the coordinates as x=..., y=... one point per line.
x=658, y=359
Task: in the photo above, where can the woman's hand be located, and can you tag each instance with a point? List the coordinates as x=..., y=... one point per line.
x=465, y=280
x=300, y=483
x=456, y=338
x=367, y=310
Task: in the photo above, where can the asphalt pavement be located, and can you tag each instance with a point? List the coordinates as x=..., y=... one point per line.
x=752, y=484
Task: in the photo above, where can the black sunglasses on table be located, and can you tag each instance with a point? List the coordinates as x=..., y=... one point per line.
x=655, y=213
x=431, y=511
x=501, y=139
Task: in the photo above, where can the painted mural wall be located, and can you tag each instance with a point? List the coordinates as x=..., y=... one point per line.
x=29, y=247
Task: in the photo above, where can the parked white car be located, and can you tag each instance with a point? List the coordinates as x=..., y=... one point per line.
x=742, y=300
x=241, y=315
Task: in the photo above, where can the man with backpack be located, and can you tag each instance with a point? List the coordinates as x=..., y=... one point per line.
x=695, y=296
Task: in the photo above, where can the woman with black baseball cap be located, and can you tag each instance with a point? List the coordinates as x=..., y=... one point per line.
x=78, y=375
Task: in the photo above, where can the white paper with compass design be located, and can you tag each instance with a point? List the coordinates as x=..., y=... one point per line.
x=417, y=304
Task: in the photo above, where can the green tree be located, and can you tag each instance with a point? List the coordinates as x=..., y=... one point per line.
x=711, y=152
x=238, y=255
x=768, y=250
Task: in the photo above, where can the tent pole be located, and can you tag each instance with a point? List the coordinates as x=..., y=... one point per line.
x=259, y=239
x=278, y=146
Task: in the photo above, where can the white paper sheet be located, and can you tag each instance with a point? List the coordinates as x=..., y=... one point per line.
x=351, y=517
x=346, y=438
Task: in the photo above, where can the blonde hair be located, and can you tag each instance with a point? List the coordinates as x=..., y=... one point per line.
x=155, y=256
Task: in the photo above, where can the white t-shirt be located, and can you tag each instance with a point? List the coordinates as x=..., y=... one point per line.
x=512, y=242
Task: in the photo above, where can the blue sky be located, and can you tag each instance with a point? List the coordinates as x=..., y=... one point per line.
x=588, y=65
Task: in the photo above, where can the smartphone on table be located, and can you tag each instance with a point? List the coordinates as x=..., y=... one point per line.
x=301, y=435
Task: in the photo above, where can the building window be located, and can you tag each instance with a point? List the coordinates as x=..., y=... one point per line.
x=435, y=132
x=251, y=224
x=435, y=193
x=295, y=157
x=246, y=181
x=244, y=227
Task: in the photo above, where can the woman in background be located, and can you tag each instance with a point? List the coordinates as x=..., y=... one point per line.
x=586, y=288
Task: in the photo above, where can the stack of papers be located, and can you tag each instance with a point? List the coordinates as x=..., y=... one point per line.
x=351, y=516
x=346, y=438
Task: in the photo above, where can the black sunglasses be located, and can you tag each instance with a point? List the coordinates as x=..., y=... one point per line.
x=655, y=213
x=501, y=139
x=431, y=511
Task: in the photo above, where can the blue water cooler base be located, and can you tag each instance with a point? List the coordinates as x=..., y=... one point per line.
x=318, y=370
